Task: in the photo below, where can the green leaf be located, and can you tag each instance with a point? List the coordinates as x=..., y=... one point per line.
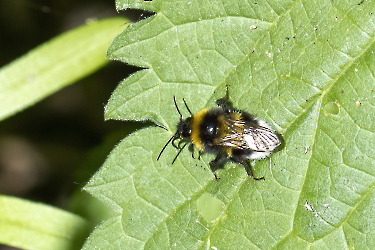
x=55, y=64
x=307, y=68
x=30, y=225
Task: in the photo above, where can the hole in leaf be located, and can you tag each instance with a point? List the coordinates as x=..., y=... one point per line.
x=209, y=207
x=331, y=108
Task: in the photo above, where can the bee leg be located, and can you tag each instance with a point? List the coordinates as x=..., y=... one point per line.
x=248, y=170
x=191, y=150
x=224, y=103
x=217, y=163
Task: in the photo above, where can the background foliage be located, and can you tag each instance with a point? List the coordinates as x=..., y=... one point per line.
x=49, y=151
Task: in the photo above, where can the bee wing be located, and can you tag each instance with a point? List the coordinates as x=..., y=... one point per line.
x=246, y=136
x=262, y=139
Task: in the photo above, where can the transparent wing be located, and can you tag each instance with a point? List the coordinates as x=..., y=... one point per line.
x=254, y=136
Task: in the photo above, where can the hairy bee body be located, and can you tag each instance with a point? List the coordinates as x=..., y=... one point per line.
x=232, y=135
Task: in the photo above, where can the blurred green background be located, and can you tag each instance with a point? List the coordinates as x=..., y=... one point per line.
x=49, y=151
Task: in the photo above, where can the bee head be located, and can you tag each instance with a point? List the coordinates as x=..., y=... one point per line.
x=182, y=134
x=184, y=128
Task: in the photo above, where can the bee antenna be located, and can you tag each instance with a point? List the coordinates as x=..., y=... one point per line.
x=178, y=110
x=157, y=125
x=187, y=107
x=166, y=145
x=179, y=152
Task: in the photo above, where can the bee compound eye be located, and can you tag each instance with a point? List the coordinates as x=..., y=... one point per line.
x=186, y=132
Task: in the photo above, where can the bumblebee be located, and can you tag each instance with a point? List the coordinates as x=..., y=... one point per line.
x=233, y=135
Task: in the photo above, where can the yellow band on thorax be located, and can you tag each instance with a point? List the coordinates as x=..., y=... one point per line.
x=195, y=129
